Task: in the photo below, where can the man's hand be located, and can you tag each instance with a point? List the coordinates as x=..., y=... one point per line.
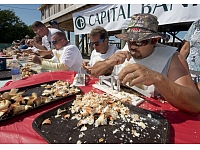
x=44, y=52
x=137, y=74
x=85, y=66
x=35, y=59
x=32, y=42
x=118, y=58
x=15, y=51
x=28, y=51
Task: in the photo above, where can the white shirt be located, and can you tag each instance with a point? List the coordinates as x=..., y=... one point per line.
x=157, y=61
x=46, y=40
x=96, y=56
x=69, y=55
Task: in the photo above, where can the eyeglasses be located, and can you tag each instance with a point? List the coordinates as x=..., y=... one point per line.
x=97, y=43
x=139, y=43
x=55, y=41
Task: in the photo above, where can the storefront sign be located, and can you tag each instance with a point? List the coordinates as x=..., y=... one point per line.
x=117, y=16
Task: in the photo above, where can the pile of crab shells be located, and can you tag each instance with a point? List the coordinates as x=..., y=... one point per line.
x=108, y=108
x=26, y=71
x=13, y=102
x=59, y=89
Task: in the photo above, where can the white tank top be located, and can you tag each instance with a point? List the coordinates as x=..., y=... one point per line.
x=157, y=61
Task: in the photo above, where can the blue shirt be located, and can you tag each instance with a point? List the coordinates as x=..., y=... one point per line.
x=23, y=47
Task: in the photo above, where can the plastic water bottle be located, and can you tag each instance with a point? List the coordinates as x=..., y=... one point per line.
x=15, y=69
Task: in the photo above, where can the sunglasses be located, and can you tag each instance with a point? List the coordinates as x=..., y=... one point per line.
x=55, y=41
x=97, y=43
x=140, y=43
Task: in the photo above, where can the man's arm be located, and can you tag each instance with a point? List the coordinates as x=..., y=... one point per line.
x=44, y=52
x=182, y=93
x=185, y=50
x=54, y=66
x=102, y=68
x=38, y=46
x=85, y=66
x=106, y=67
x=177, y=88
x=47, y=63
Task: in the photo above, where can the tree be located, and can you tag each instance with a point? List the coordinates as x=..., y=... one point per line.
x=12, y=28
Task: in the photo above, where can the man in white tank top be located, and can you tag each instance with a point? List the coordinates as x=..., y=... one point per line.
x=158, y=68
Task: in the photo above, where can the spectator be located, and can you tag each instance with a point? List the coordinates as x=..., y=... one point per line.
x=40, y=29
x=54, y=24
x=160, y=69
x=102, y=50
x=191, y=50
x=66, y=56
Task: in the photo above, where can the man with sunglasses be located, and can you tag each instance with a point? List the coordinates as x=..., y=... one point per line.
x=66, y=56
x=41, y=30
x=159, y=69
x=102, y=49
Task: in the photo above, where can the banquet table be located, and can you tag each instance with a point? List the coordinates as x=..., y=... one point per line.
x=184, y=128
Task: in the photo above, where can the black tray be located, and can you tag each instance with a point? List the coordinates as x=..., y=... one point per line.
x=39, y=90
x=61, y=130
x=5, y=74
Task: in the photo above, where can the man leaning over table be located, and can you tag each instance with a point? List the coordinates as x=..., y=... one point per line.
x=66, y=56
x=159, y=68
x=32, y=49
x=45, y=50
x=102, y=49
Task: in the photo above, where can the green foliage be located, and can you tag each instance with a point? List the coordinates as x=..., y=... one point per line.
x=12, y=28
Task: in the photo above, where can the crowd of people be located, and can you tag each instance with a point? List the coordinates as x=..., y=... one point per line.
x=159, y=69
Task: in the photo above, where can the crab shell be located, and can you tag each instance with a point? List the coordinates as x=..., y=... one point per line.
x=4, y=104
x=46, y=122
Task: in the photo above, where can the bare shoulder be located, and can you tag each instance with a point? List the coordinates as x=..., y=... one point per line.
x=179, y=71
x=178, y=59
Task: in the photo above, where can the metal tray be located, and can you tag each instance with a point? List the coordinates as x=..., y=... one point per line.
x=65, y=130
x=28, y=91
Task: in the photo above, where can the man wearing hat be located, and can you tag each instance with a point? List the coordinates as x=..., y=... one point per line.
x=160, y=69
x=54, y=24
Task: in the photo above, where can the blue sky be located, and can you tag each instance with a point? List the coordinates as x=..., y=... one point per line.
x=28, y=13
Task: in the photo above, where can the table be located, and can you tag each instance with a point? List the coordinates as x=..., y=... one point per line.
x=184, y=128
x=34, y=67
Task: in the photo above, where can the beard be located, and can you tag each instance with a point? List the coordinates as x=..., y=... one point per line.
x=136, y=54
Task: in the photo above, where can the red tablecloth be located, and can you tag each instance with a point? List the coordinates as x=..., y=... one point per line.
x=184, y=128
